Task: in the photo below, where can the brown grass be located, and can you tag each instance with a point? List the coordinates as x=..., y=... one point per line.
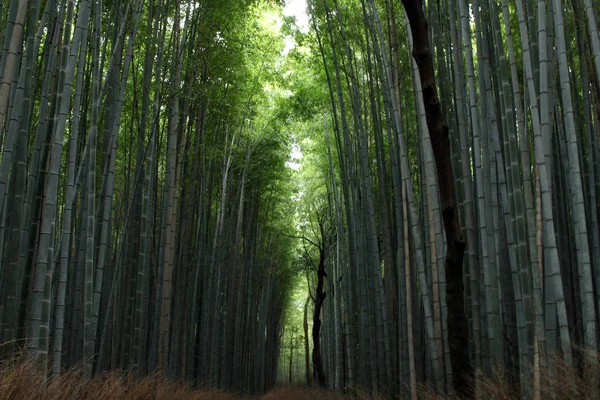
x=19, y=381
x=562, y=380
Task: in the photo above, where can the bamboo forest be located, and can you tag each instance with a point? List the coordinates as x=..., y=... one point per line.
x=306, y=199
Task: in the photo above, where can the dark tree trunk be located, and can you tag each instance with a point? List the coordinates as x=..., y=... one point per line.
x=319, y=299
x=458, y=332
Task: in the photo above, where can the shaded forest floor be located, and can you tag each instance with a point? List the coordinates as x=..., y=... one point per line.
x=21, y=382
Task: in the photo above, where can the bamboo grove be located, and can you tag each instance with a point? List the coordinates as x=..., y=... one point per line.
x=142, y=186
x=443, y=219
x=496, y=158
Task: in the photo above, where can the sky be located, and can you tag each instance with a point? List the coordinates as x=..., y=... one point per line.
x=297, y=8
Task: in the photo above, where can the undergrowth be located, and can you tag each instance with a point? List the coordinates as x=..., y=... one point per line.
x=19, y=381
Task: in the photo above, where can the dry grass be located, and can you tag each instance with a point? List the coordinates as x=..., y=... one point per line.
x=579, y=380
x=19, y=381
